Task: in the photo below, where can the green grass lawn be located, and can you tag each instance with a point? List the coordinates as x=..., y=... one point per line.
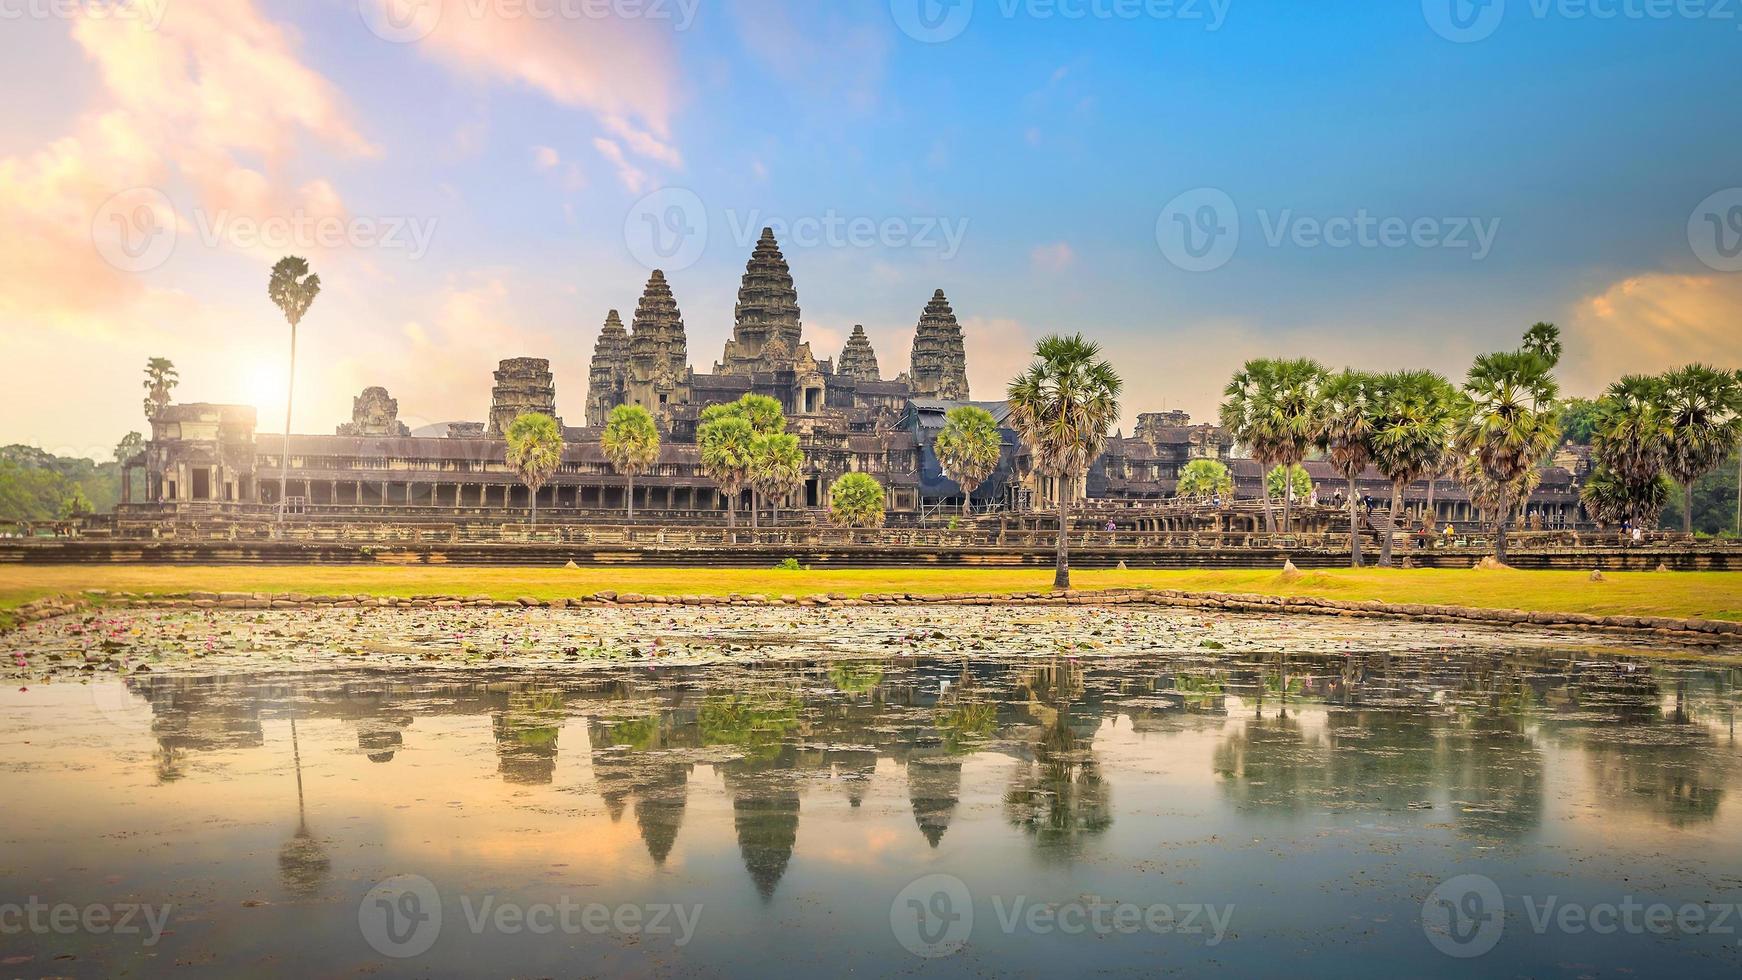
x=1710, y=595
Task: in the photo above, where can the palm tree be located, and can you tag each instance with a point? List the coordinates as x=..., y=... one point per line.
x=1062, y=407
x=1272, y=408
x=776, y=466
x=723, y=443
x=1411, y=427
x=969, y=448
x=764, y=416
x=631, y=443
x=1202, y=479
x=1346, y=436
x=1510, y=425
x=292, y=289
x=1705, y=425
x=160, y=379
x=1630, y=442
x=535, y=450
x=857, y=500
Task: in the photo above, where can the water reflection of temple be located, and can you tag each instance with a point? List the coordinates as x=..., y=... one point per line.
x=1290, y=735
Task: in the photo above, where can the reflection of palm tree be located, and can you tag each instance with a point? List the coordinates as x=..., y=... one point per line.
x=1059, y=797
x=302, y=862
x=1270, y=764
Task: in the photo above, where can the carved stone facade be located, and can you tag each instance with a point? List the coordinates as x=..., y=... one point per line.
x=658, y=374
x=608, y=376
x=523, y=384
x=374, y=413
x=858, y=360
x=940, y=363
x=766, y=332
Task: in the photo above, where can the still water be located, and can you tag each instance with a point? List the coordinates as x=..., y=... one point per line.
x=1445, y=813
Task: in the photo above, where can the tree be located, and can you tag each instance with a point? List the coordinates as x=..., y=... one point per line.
x=1296, y=484
x=1062, y=407
x=776, y=466
x=856, y=500
x=535, y=450
x=292, y=288
x=631, y=443
x=1412, y=425
x=763, y=416
x=160, y=379
x=1544, y=340
x=1578, y=421
x=76, y=503
x=1272, y=407
x=724, y=443
x=131, y=445
x=1511, y=423
x=969, y=448
x=1202, y=479
x=1703, y=409
x=1630, y=446
x=1346, y=436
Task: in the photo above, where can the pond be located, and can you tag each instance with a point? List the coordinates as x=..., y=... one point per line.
x=1436, y=811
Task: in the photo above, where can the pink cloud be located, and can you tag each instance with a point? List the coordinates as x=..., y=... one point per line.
x=1650, y=323
x=1054, y=258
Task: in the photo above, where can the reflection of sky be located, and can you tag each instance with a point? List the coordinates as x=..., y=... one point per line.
x=1345, y=860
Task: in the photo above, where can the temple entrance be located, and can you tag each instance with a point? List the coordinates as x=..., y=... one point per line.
x=202, y=483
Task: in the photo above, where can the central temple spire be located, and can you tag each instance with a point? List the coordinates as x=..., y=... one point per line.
x=766, y=331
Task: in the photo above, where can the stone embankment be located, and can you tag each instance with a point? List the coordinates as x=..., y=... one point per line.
x=1694, y=632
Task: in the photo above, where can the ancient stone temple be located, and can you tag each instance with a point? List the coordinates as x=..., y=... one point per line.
x=658, y=350
x=940, y=364
x=523, y=384
x=374, y=413
x=766, y=332
x=858, y=360
x=608, y=376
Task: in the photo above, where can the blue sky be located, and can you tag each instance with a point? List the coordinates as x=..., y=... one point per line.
x=1583, y=145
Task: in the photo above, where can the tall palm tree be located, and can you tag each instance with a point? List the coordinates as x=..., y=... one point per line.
x=631, y=443
x=1510, y=425
x=969, y=448
x=292, y=288
x=764, y=417
x=1062, y=407
x=160, y=379
x=1411, y=427
x=723, y=444
x=535, y=450
x=1705, y=425
x=1346, y=436
x=1630, y=442
x=1272, y=407
x=776, y=466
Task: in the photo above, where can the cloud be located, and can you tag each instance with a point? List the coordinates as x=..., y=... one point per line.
x=633, y=178
x=549, y=161
x=215, y=99
x=1650, y=323
x=621, y=69
x=1054, y=258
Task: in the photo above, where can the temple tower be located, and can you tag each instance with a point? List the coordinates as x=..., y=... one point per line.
x=940, y=364
x=658, y=350
x=609, y=371
x=523, y=384
x=766, y=333
x=374, y=413
x=858, y=360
